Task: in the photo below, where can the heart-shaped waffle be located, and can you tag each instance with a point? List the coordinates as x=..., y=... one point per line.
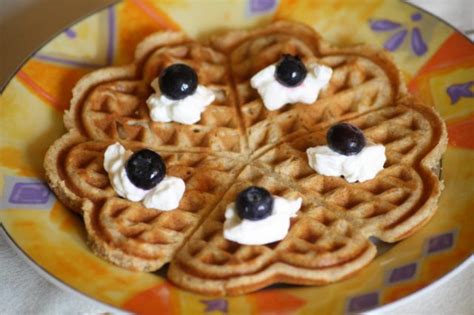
x=363, y=79
x=109, y=104
x=238, y=143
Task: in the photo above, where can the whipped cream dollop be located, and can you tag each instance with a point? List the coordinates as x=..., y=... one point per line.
x=271, y=229
x=165, y=196
x=275, y=95
x=185, y=111
x=359, y=167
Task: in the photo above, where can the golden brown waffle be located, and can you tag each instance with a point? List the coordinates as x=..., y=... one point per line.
x=403, y=195
x=109, y=104
x=320, y=248
x=124, y=232
x=238, y=143
x=363, y=79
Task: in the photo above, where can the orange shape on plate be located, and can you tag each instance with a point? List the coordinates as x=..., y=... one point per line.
x=461, y=133
x=276, y=302
x=136, y=20
x=53, y=83
x=157, y=300
x=400, y=291
x=455, y=51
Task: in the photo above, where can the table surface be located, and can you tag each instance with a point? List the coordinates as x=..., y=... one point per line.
x=24, y=291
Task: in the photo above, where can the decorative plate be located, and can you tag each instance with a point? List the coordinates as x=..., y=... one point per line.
x=437, y=61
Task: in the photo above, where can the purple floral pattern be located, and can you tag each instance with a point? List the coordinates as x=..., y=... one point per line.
x=440, y=243
x=217, y=305
x=363, y=302
x=417, y=42
x=418, y=45
x=384, y=25
x=403, y=273
x=70, y=33
x=29, y=193
x=395, y=41
x=19, y=192
x=261, y=6
x=456, y=91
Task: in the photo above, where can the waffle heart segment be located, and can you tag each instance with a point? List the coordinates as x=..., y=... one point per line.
x=128, y=233
x=401, y=197
x=110, y=104
x=317, y=245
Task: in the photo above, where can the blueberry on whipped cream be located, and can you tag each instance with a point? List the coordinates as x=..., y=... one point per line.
x=178, y=96
x=290, y=71
x=141, y=176
x=345, y=139
x=257, y=217
x=178, y=81
x=145, y=169
x=290, y=81
x=347, y=154
x=254, y=203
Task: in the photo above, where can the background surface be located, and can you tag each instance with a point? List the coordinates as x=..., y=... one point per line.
x=27, y=24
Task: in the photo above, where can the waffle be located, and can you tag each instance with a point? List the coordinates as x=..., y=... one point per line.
x=239, y=143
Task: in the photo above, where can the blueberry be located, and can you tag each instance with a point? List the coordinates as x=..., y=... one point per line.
x=290, y=71
x=254, y=203
x=178, y=81
x=345, y=139
x=145, y=169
